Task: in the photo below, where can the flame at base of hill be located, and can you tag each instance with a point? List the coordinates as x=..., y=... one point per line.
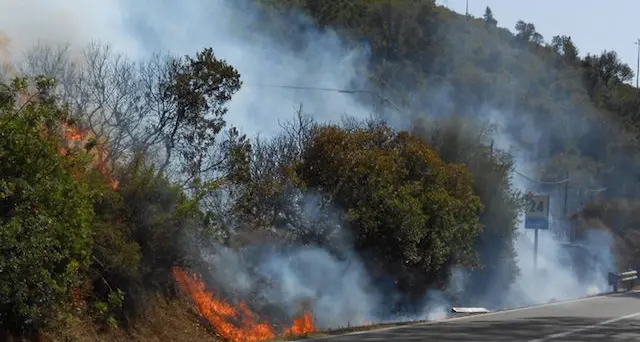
x=234, y=323
x=302, y=325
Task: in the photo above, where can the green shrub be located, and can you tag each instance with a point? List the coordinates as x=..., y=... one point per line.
x=45, y=212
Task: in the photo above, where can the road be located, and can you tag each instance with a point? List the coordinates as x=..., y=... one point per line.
x=605, y=318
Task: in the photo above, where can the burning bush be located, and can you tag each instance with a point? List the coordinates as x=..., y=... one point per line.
x=236, y=323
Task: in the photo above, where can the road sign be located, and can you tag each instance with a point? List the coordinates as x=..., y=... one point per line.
x=537, y=212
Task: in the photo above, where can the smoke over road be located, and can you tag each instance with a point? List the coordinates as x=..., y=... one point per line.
x=556, y=276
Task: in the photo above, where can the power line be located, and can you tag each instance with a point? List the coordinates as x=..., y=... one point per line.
x=541, y=182
x=637, y=42
x=597, y=190
x=563, y=181
x=382, y=98
x=336, y=90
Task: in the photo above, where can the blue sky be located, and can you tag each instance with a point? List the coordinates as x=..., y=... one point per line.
x=594, y=25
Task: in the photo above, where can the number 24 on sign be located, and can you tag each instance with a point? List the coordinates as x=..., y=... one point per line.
x=536, y=205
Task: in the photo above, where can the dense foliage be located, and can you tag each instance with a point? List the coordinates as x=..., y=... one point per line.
x=45, y=233
x=414, y=203
x=413, y=215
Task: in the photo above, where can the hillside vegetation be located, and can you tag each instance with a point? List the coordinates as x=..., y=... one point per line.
x=113, y=178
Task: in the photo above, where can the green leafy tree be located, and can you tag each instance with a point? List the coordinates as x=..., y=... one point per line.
x=564, y=46
x=185, y=98
x=526, y=32
x=45, y=208
x=488, y=17
x=411, y=213
x=141, y=231
x=459, y=141
x=606, y=70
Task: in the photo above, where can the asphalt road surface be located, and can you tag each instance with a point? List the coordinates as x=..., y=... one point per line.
x=607, y=318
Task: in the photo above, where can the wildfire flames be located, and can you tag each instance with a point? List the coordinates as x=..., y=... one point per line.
x=236, y=324
x=75, y=136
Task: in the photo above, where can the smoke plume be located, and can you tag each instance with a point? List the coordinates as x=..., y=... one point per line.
x=562, y=270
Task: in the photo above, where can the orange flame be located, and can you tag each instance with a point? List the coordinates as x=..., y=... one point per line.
x=73, y=135
x=234, y=324
x=302, y=325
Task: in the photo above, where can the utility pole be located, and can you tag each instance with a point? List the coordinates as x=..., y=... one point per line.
x=466, y=13
x=566, y=194
x=491, y=149
x=637, y=61
x=565, y=209
x=382, y=104
x=535, y=249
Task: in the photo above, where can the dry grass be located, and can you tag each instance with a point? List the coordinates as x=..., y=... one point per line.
x=172, y=320
x=167, y=320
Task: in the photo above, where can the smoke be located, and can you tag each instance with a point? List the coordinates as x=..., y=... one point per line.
x=284, y=278
x=558, y=275
x=338, y=283
x=564, y=270
x=55, y=22
x=233, y=29
x=561, y=270
x=337, y=291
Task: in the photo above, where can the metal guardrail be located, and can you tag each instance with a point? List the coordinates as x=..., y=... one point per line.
x=625, y=278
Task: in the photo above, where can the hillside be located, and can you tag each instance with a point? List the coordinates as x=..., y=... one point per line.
x=561, y=116
x=133, y=209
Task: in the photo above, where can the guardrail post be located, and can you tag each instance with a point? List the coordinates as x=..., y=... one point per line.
x=629, y=278
x=613, y=281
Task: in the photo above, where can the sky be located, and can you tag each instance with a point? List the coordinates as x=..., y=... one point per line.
x=594, y=25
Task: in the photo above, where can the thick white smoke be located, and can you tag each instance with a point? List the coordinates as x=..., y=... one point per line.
x=56, y=22
x=322, y=61
x=556, y=275
x=338, y=290
x=141, y=28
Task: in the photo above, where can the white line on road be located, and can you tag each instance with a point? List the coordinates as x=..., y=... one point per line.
x=469, y=317
x=588, y=327
x=449, y=320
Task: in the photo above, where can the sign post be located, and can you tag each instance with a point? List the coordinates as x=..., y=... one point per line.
x=536, y=218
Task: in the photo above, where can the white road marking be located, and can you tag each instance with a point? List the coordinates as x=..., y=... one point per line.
x=588, y=327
